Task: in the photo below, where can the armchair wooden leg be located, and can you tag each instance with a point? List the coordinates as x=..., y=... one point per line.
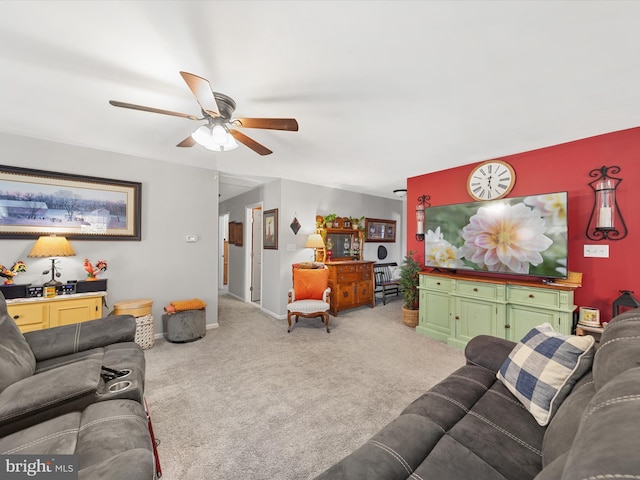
x=325, y=318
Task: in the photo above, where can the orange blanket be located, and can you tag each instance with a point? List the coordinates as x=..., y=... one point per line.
x=182, y=305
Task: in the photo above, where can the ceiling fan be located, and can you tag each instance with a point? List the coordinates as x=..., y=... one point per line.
x=219, y=133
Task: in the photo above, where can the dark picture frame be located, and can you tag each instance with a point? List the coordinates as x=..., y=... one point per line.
x=34, y=203
x=239, y=234
x=232, y=233
x=270, y=229
x=379, y=230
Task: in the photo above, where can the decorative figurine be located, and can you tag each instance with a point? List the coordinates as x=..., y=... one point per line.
x=92, y=271
x=9, y=273
x=329, y=250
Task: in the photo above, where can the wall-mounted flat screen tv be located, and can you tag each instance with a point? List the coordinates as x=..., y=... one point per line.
x=520, y=235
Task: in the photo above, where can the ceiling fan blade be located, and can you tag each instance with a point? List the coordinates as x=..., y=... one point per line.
x=289, y=124
x=201, y=89
x=115, y=103
x=187, y=142
x=252, y=144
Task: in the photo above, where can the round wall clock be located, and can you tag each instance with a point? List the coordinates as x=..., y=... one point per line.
x=491, y=180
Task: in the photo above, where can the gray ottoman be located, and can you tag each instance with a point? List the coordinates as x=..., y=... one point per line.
x=185, y=326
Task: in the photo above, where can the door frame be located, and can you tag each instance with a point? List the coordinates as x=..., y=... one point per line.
x=223, y=234
x=248, y=241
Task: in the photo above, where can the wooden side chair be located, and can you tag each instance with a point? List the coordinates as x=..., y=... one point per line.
x=387, y=281
x=310, y=296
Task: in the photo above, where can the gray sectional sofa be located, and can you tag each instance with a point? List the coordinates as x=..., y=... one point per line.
x=76, y=390
x=470, y=426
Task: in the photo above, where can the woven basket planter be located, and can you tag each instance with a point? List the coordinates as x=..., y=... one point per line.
x=410, y=317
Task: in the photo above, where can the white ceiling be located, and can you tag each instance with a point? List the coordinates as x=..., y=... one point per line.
x=381, y=90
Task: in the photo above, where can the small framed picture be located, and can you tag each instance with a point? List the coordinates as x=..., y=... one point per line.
x=378, y=230
x=239, y=235
x=270, y=229
x=589, y=316
x=232, y=233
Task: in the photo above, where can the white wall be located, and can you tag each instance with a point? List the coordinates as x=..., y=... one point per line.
x=176, y=201
x=272, y=259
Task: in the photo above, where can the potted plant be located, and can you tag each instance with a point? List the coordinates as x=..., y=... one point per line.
x=408, y=284
x=329, y=219
x=355, y=223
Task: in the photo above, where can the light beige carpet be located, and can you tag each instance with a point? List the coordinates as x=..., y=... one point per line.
x=249, y=401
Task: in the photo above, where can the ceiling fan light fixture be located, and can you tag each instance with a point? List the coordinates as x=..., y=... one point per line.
x=219, y=134
x=231, y=144
x=217, y=109
x=216, y=138
x=202, y=135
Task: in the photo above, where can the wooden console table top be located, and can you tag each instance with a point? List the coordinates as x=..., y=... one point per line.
x=500, y=281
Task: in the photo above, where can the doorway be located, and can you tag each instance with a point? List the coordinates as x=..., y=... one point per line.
x=254, y=253
x=223, y=251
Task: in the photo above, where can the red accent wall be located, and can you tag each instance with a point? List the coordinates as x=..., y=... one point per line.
x=563, y=167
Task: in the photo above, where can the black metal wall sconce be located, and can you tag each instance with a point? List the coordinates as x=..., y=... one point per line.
x=423, y=202
x=605, y=215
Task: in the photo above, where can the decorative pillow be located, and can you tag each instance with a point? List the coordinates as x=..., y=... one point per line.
x=310, y=284
x=305, y=265
x=396, y=273
x=543, y=368
x=16, y=358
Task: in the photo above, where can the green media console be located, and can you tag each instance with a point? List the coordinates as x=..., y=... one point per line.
x=454, y=308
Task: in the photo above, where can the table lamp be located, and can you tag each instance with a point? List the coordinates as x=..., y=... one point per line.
x=52, y=246
x=314, y=241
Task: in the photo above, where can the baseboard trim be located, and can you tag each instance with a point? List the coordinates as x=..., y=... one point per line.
x=268, y=312
x=272, y=314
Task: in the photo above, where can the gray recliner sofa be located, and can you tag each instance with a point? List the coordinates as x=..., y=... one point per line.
x=46, y=373
x=110, y=439
x=470, y=426
x=76, y=389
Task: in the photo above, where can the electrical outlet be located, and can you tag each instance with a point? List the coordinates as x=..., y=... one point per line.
x=597, y=251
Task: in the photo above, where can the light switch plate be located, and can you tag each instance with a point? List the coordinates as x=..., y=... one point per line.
x=291, y=247
x=597, y=251
x=191, y=238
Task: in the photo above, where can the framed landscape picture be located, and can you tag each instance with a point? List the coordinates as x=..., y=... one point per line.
x=270, y=229
x=37, y=202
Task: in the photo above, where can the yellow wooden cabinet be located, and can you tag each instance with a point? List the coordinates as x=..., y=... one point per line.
x=30, y=316
x=40, y=313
